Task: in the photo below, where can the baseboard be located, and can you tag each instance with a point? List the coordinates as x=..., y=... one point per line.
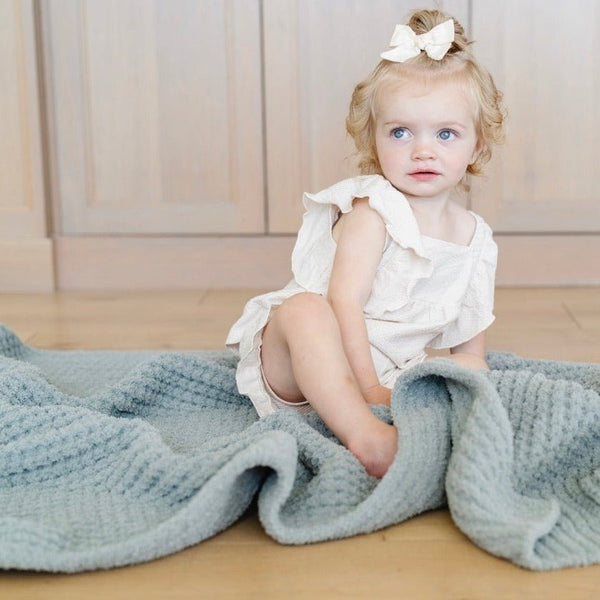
x=26, y=265
x=97, y=263
x=548, y=260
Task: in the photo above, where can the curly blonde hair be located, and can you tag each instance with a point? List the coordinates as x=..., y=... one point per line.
x=458, y=65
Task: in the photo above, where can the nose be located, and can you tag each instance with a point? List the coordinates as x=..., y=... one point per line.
x=422, y=150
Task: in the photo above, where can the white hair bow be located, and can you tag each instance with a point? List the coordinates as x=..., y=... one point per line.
x=405, y=43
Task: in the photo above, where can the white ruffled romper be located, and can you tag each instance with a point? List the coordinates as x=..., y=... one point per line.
x=426, y=292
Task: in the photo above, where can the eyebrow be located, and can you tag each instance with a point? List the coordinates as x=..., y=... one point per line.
x=442, y=125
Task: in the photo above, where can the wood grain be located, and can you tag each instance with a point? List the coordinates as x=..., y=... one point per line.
x=425, y=558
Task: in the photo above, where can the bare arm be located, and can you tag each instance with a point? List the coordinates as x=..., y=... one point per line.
x=471, y=353
x=359, y=249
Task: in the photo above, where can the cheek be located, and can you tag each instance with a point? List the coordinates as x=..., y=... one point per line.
x=386, y=153
x=386, y=161
x=381, y=152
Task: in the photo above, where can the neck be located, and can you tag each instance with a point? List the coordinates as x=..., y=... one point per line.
x=431, y=209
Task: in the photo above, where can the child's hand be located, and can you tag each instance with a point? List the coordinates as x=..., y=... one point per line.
x=378, y=394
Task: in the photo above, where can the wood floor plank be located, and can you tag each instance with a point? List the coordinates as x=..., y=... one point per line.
x=426, y=558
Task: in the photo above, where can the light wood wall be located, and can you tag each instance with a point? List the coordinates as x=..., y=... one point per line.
x=156, y=144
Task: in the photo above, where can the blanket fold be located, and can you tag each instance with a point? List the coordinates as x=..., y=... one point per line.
x=111, y=458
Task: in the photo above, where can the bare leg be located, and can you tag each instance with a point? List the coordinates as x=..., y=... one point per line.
x=303, y=357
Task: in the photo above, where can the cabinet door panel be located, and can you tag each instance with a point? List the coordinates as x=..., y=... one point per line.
x=157, y=115
x=21, y=184
x=544, y=57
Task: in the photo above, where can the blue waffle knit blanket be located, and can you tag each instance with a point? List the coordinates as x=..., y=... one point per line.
x=113, y=458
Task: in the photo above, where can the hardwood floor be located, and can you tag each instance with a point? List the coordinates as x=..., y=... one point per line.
x=424, y=558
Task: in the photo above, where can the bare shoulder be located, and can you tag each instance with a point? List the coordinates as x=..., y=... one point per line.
x=361, y=217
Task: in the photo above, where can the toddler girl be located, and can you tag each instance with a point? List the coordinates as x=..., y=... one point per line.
x=385, y=264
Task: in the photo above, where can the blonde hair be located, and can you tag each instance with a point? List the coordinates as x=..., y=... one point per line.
x=458, y=65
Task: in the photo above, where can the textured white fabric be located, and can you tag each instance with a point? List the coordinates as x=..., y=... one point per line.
x=426, y=292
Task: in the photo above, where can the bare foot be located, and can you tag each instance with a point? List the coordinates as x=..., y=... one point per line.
x=375, y=448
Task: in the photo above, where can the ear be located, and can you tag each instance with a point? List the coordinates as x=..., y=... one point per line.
x=477, y=151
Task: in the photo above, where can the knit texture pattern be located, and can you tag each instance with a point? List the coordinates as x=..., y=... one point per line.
x=112, y=458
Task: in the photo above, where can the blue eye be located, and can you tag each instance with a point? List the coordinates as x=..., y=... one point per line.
x=399, y=133
x=446, y=135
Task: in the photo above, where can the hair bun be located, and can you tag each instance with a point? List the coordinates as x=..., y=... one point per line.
x=423, y=21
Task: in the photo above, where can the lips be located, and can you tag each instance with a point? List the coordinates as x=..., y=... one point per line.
x=424, y=175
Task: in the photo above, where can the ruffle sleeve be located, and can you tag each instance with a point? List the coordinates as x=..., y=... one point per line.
x=321, y=208
x=477, y=308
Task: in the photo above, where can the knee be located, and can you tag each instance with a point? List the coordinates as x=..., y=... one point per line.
x=304, y=307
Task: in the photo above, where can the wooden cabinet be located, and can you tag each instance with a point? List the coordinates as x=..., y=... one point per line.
x=25, y=250
x=540, y=194
x=544, y=58
x=170, y=142
x=157, y=116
